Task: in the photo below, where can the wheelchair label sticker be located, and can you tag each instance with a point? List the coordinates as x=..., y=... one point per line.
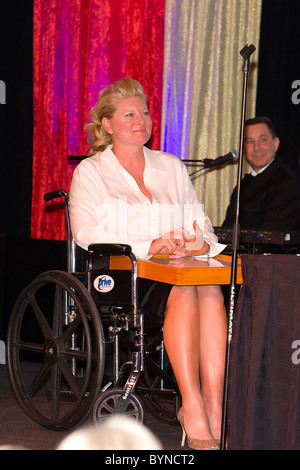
x=104, y=283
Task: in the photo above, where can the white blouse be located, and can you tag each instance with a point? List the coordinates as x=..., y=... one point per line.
x=107, y=206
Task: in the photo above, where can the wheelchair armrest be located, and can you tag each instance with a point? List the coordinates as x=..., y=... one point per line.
x=111, y=249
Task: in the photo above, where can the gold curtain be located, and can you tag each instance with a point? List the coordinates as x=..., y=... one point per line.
x=203, y=70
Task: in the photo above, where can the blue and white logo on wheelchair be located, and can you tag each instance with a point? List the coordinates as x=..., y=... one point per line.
x=104, y=283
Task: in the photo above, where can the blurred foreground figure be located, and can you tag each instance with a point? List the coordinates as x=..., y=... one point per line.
x=117, y=433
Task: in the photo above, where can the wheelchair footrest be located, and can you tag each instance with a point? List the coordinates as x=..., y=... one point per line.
x=157, y=391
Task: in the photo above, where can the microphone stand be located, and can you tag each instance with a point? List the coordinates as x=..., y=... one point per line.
x=245, y=53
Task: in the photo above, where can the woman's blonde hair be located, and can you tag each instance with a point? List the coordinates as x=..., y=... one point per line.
x=108, y=99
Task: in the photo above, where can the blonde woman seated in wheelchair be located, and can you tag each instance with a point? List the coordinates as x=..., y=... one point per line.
x=125, y=193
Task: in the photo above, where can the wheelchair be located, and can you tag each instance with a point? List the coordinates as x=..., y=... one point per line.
x=77, y=347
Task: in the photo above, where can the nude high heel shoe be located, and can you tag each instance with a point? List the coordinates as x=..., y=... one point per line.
x=198, y=444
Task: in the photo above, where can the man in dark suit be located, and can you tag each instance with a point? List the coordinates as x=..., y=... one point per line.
x=270, y=195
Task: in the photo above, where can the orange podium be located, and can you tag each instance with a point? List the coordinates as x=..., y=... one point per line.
x=184, y=271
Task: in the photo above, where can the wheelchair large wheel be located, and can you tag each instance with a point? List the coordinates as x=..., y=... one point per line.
x=106, y=406
x=55, y=351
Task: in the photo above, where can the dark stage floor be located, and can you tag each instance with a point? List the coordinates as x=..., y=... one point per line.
x=18, y=430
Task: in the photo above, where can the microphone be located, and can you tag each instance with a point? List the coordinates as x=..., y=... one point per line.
x=232, y=155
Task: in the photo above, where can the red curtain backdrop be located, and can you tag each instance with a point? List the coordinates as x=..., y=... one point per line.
x=80, y=46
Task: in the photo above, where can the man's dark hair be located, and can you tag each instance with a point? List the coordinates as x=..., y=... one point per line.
x=262, y=120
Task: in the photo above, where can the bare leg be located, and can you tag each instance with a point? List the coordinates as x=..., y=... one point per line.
x=213, y=334
x=195, y=339
x=181, y=338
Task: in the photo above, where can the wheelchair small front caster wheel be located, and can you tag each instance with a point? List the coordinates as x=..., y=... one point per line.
x=106, y=406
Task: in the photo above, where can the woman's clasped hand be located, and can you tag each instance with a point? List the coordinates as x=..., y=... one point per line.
x=179, y=243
